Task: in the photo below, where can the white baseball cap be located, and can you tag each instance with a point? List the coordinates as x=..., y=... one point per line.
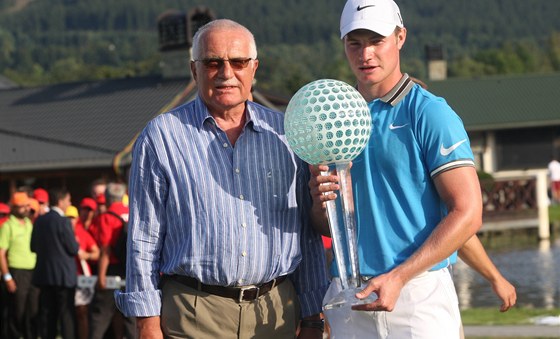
x=380, y=16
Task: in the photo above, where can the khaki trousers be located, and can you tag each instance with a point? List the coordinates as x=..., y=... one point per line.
x=188, y=313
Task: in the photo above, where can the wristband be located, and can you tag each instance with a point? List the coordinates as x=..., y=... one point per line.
x=318, y=324
x=7, y=277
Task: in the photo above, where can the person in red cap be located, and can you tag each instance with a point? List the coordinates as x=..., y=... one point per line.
x=101, y=202
x=103, y=311
x=89, y=251
x=17, y=264
x=42, y=196
x=98, y=188
x=4, y=212
x=87, y=212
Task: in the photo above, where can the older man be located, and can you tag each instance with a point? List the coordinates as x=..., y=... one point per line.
x=218, y=205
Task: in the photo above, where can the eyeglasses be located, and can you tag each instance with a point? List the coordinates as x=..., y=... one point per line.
x=214, y=64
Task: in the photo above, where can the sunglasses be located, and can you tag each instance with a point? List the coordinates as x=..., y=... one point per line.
x=214, y=64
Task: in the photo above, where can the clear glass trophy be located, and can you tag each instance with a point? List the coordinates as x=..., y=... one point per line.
x=328, y=122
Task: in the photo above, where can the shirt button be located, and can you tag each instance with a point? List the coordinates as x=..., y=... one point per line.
x=225, y=145
x=243, y=254
x=240, y=281
x=244, y=225
x=241, y=197
x=237, y=170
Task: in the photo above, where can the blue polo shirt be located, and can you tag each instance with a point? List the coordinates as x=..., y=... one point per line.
x=415, y=136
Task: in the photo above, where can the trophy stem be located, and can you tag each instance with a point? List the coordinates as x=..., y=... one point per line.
x=345, y=229
x=337, y=238
x=343, y=170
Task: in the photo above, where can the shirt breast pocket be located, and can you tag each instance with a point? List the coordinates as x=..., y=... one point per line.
x=277, y=187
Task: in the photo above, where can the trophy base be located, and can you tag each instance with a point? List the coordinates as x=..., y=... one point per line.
x=340, y=316
x=347, y=298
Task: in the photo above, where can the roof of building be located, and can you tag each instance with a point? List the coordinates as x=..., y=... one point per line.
x=77, y=124
x=87, y=124
x=503, y=102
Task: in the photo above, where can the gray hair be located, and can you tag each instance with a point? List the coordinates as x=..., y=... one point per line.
x=225, y=24
x=114, y=193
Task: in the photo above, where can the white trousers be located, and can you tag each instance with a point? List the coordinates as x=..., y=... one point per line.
x=427, y=308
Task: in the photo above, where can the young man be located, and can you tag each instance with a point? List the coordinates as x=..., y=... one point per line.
x=218, y=205
x=416, y=191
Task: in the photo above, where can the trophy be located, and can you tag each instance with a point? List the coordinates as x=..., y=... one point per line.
x=328, y=122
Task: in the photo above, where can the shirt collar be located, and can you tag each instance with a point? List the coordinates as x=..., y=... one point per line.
x=202, y=114
x=398, y=92
x=58, y=210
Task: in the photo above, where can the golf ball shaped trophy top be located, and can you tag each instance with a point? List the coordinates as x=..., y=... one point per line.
x=328, y=122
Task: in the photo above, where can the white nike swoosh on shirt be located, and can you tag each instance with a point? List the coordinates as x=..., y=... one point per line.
x=446, y=151
x=392, y=127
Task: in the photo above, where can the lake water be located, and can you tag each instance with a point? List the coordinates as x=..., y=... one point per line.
x=533, y=269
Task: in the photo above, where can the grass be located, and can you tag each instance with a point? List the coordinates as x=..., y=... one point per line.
x=515, y=316
x=554, y=213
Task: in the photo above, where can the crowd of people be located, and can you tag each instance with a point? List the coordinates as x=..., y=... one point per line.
x=46, y=245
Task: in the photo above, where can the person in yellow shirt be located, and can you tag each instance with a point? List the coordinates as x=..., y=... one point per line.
x=17, y=263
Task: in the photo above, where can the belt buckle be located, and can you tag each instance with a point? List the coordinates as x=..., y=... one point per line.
x=242, y=290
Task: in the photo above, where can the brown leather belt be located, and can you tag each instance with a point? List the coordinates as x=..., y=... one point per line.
x=241, y=293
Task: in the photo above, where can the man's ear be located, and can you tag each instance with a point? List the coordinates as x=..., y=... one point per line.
x=193, y=70
x=401, y=37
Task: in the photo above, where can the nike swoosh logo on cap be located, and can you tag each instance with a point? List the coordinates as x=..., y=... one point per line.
x=363, y=7
x=392, y=127
x=446, y=151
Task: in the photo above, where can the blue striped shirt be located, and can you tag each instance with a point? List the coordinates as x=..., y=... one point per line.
x=224, y=214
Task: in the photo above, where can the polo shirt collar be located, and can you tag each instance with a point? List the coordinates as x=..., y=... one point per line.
x=401, y=89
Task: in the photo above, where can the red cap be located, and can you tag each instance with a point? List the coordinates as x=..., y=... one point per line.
x=89, y=203
x=4, y=208
x=41, y=195
x=100, y=199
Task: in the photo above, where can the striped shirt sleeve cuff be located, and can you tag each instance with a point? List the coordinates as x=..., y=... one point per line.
x=312, y=301
x=139, y=304
x=452, y=165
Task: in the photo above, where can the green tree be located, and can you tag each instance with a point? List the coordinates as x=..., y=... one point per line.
x=554, y=50
x=7, y=48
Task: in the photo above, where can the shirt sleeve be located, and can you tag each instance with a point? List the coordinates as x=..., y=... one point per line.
x=5, y=237
x=310, y=278
x=68, y=238
x=86, y=240
x=443, y=138
x=147, y=186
